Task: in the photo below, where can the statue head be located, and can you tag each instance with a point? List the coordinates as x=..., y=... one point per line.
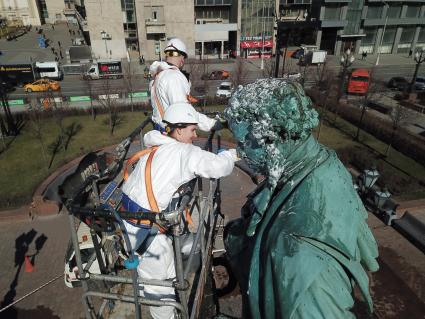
x=270, y=118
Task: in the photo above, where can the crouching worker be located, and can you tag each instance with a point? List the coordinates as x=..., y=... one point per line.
x=173, y=162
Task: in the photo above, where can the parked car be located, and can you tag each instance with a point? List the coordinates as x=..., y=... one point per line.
x=42, y=86
x=297, y=54
x=225, y=90
x=16, y=34
x=402, y=83
x=6, y=87
x=398, y=82
x=216, y=75
x=200, y=90
x=358, y=82
x=292, y=76
x=420, y=83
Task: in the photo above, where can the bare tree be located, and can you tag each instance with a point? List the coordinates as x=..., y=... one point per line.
x=55, y=102
x=54, y=148
x=240, y=72
x=109, y=102
x=269, y=65
x=399, y=114
x=372, y=93
x=4, y=101
x=91, y=93
x=198, y=83
x=129, y=82
x=3, y=132
x=35, y=115
x=324, y=86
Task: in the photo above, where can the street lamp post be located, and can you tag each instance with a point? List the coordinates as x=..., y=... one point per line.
x=105, y=37
x=419, y=59
x=383, y=33
x=369, y=178
x=347, y=60
x=262, y=40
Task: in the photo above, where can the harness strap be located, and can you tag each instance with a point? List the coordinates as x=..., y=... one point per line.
x=158, y=103
x=188, y=217
x=148, y=183
x=155, y=96
x=135, y=158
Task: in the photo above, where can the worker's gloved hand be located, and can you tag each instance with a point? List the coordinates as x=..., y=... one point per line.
x=232, y=152
x=235, y=154
x=219, y=124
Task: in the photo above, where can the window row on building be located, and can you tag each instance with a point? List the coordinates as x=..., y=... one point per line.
x=217, y=28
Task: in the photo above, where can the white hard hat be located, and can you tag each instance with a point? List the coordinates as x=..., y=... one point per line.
x=176, y=45
x=180, y=114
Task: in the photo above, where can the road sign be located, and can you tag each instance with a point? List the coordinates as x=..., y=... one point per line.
x=16, y=102
x=79, y=98
x=138, y=94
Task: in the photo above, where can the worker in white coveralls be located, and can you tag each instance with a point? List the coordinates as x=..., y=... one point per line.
x=173, y=163
x=171, y=85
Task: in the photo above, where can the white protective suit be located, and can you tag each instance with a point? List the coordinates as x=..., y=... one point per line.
x=173, y=164
x=171, y=86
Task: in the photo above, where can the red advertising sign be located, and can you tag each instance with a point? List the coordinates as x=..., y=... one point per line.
x=256, y=44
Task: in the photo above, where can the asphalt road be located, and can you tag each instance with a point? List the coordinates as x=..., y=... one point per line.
x=74, y=85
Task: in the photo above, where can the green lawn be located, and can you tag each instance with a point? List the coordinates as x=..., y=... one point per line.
x=404, y=176
x=22, y=167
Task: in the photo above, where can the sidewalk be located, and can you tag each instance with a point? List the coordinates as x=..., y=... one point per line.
x=370, y=61
x=26, y=49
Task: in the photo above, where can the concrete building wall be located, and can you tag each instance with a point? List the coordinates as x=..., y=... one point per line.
x=106, y=16
x=175, y=18
x=25, y=11
x=55, y=11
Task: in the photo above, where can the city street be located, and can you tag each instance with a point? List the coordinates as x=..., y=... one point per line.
x=25, y=50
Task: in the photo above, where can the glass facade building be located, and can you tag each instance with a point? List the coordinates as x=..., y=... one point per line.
x=371, y=26
x=257, y=27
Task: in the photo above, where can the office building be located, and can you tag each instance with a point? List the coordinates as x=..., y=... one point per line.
x=363, y=26
x=257, y=23
x=33, y=12
x=216, y=28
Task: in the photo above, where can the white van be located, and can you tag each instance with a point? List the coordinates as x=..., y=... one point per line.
x=49, y=70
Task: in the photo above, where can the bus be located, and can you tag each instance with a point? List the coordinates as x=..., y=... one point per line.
x=49, y=70
x=359, y=81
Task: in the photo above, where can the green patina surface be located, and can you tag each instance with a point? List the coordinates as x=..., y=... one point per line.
x=303, y=231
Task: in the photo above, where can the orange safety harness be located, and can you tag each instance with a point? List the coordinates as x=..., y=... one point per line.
x=158, y=103
x=148, y=184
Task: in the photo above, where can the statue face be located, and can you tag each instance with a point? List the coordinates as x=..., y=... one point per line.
x=270, y=118
x=248, y=146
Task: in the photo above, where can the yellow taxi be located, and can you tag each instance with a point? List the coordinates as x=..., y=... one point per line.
x=42, y=86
